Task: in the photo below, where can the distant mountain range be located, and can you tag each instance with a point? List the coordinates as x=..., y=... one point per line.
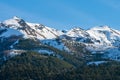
x=97, y=40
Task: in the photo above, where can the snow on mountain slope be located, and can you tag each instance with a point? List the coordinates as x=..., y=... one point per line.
x=100, y=34
x=9, y=32
x=44, y=31
x=96, y=62
x=42, y=51
x=55, y=43
x=77, y=32
x=31, y=30
x=105, y=36
x=101, y=39
x=106, y=40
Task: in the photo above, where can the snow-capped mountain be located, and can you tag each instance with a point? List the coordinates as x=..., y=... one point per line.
x=100, y=36
x=78, y=34
x=105, y=35
x=102, y=39
x=28, y=30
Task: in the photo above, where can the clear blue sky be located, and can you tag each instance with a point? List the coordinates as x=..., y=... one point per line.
x=64, y=14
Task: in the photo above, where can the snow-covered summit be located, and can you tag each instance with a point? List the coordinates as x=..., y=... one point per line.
x=31, y=30
x=101, y=28
x=12, y=22
x=16, y=17
x=105, y=35
x=77, y=32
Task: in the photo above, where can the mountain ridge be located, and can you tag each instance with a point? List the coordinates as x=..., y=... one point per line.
x=97, y=39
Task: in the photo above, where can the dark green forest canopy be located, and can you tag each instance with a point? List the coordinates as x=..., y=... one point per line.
x=34, y=66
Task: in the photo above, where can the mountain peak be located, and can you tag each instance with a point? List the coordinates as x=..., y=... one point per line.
x=77, y=28
x=101, y=28
x=15, y=21
x=16, y=17
x=105, y=26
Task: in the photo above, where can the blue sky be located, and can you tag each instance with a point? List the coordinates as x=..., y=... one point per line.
x=64, y=14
